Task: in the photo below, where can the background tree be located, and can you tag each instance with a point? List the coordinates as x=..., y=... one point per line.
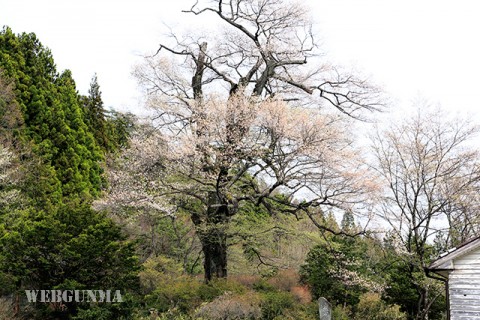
x=71, y=248
x=10, y=125
x=261, y=56
x=110, y=128
x=119, y=126
x=9, y=192
x=11, y=118
x=401, y=280
x=95, y=114
x=51, y=111
x=50, y=170
x=298, y=150
x=431, y=177
x=341, y=268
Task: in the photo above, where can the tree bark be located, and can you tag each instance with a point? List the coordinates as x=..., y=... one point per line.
x=211, y=230
x=214, y=247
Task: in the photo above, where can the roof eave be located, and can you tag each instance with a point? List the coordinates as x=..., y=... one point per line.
x=446, y=262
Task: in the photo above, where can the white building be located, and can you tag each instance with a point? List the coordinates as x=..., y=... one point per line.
x=460, y=269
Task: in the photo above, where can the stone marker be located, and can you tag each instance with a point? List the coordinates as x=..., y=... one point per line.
x=325, y=309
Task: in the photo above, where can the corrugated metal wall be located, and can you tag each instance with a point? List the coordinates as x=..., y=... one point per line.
x=464, y=288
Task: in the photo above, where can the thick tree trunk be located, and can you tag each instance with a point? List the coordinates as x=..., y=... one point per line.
x=211, y=228
x=214, y=246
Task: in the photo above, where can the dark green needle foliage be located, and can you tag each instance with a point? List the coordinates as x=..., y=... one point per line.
x=50, y=238
x=54, y=120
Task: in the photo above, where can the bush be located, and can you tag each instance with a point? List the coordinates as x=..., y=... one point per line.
x=93, y=313
x=246, y=280
x=263, y=286
x=231, y=306
x=158, y=271
x=302, y=294
x=217, y=287
x=301, y=312
x=173, y=315
x=371, y=306
x=167, y=290
x=182, y=293
x=284, y=280
x=342, y=313
x=275, y=303
x=170, y=315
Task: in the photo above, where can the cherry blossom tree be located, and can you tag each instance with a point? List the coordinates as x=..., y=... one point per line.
x=263, y=152
x=10, y=120
x=9, y=195
x=243, y=119
x=431, y=178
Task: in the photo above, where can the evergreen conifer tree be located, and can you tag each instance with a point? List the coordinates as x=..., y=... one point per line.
x=54, y=240
x=53, y=117
x=95, y=114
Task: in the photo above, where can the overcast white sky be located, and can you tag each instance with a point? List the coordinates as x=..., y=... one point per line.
x=411, y=47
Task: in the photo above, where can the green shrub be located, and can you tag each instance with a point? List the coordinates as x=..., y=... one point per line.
x=275, y=303
x=231, y=306
x=174, y=315
x=93, y=313
x=158, y=271
x=371, y=306
x=301, y=312
x=217, y=287
x=342, y=313
x=246, y=280
x=182, y=293
x=263, y=286
x=170, y=315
